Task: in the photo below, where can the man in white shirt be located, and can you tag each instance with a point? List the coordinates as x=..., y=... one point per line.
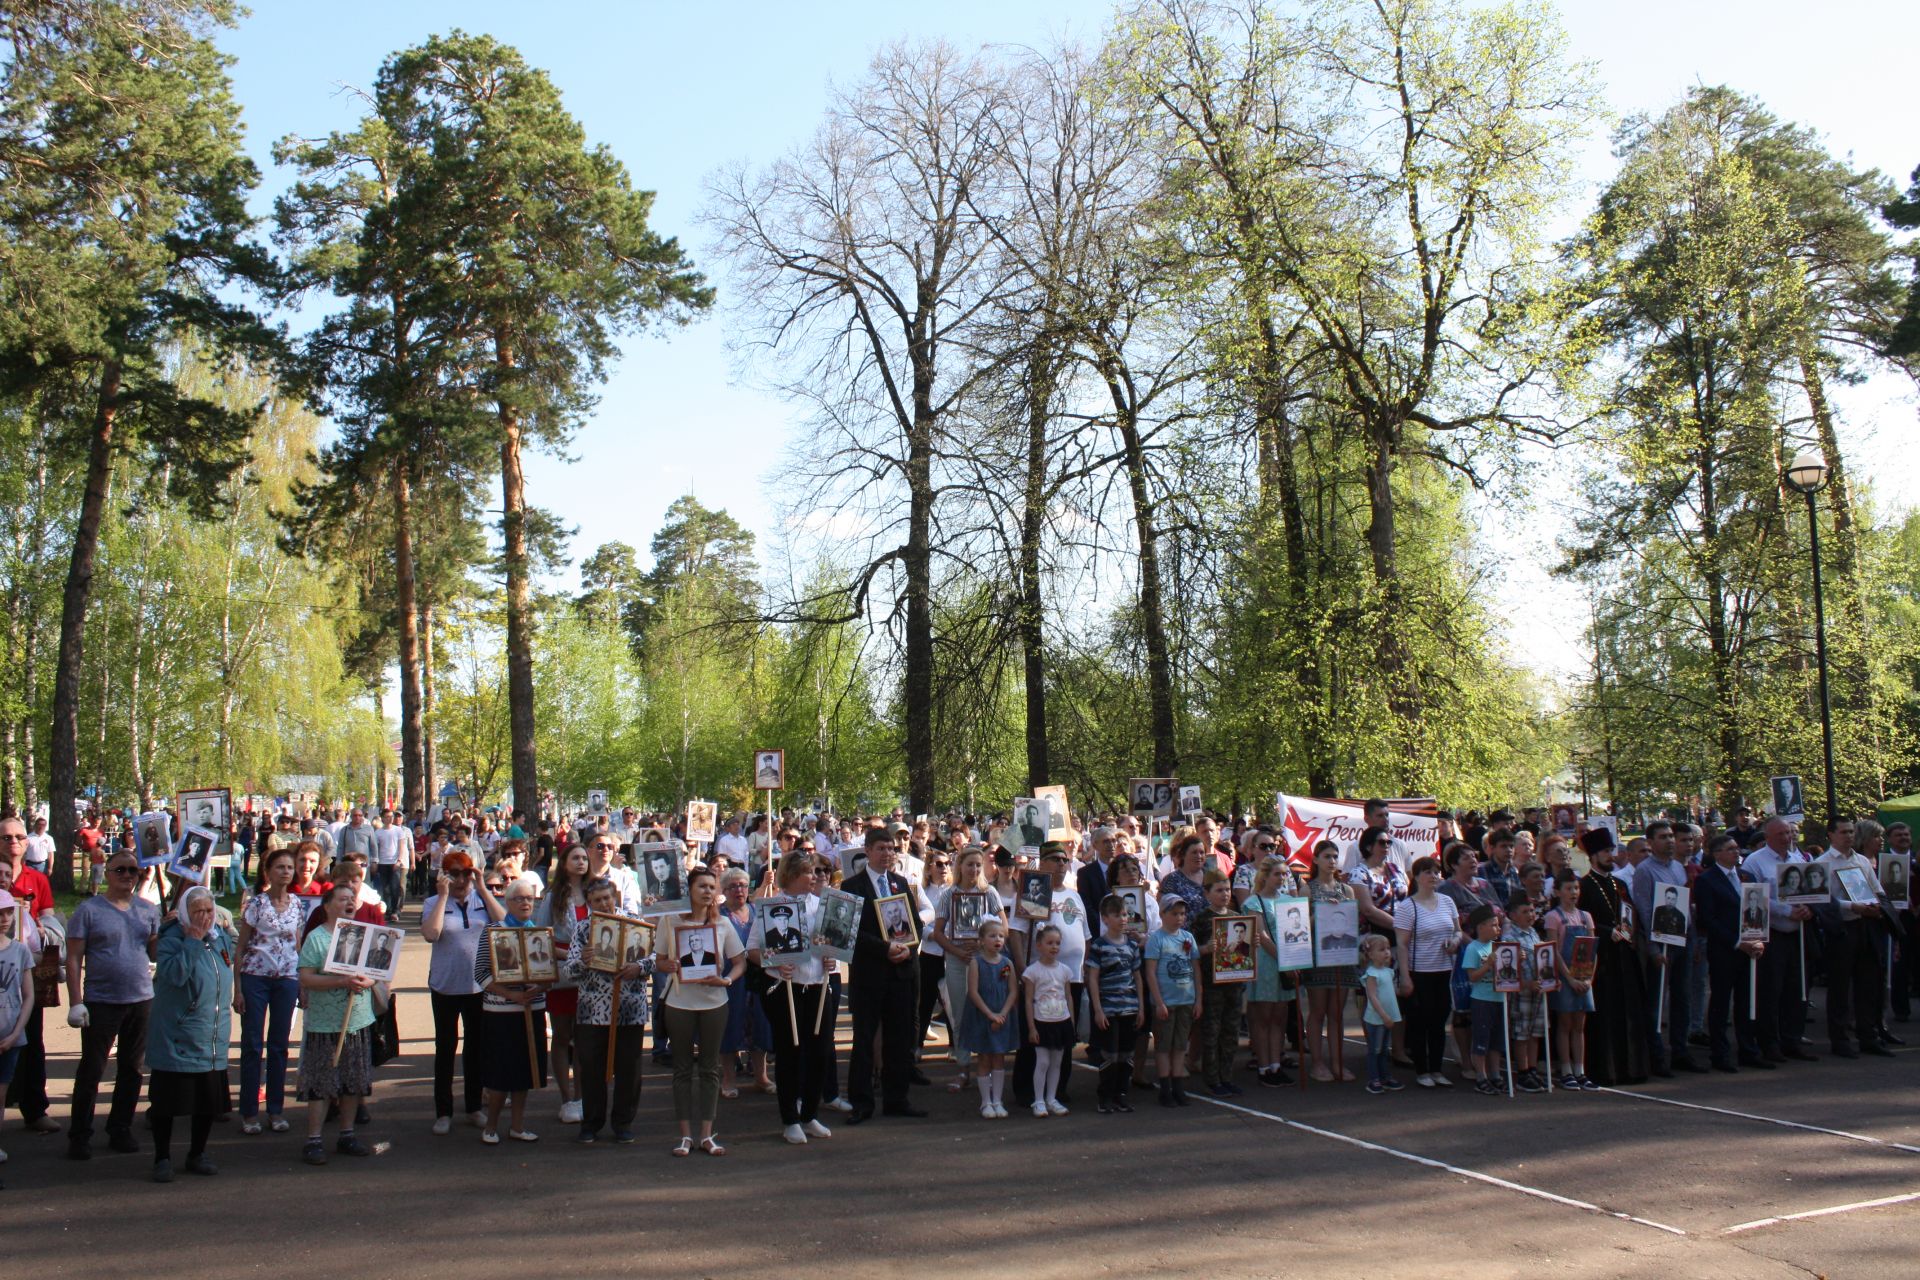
x=1853, y=931
x=1781, y=1026
x=39, y=854
x=392, y=859
x=732, y=843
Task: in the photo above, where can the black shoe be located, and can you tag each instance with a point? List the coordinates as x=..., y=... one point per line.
x=1727, y=1067
x=1124, y=1107
x=163, y=1171
x=315, y=1152
x=348, y=1145
x=79, y=1149
x=918, y=1077
x=1180, y=1098
x=860, y=1115
x=1797, y=1054
x=202, y=1166
x=1841, y=1049
x=122, y=1141
x=1662, y=1072
x=623, y=1137
x=1876, y=1050
x=586, y=1137
x=908, y=1110
x=1698, y=1038
x=1166, y=1094
x=1684, y=1063
x=1887, y=1037
x=1104, y=1107
x=1756, y=1061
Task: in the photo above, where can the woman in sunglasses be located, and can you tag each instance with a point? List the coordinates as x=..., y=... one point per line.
x=452, y=921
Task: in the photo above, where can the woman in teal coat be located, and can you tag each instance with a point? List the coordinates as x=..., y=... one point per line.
x=189, y=1030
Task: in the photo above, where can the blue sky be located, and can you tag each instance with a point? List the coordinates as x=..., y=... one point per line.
x=679, y=89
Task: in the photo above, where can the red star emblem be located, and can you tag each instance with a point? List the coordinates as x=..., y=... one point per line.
x=1301, y=838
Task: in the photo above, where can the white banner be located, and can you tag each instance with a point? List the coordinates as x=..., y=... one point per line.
x=1305, y=822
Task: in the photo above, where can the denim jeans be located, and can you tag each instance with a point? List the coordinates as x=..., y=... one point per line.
x=386, y=883
x=1379, y=1051
x=264, y=1037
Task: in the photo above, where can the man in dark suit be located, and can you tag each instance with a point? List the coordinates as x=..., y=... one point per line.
x=886, y=990
x=1729, y=960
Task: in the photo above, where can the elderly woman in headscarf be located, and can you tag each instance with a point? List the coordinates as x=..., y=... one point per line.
x=189, y=1030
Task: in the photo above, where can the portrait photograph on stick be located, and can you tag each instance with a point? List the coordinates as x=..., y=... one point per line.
x=348, y=942
x=1803, y=884
x=1294, y=945
x=702, y=821
x=1336, y=934
x=1753, y=911
x=211, y=809
x=1151, y=796
x=1546, y=967
x=897, y=922
x=781, y=937
x=1133, y=898
x=1233, y=948
x=697, y=948
x=537, y=947
x=509, y=960
x=1896, y=877
x=1671, y=913
x=770, y=770
x=663, y=879
x=1035, y=895
x=191, y=859
x=153, y=838
x=381, y=958
x=1506, y=967
x=966, y=908
x=839, y=924
x=1059, y=813
x=1189, y=801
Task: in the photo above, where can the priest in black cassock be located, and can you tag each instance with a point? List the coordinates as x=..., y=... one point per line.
x=1616, y=1029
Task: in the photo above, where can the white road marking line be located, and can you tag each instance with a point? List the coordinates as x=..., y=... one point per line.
x=1785, y=1124
x=1821, y=1213
x=1441, y=1165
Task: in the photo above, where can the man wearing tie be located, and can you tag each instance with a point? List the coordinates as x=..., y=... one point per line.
x=1730, y=961
x=886, y=988
x=1783, y=1017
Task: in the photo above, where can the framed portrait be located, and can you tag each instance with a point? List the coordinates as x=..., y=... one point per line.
x=839, y=924
x=1294, y=939
x=210, y=808
x=1035, y=900
x=1671, y=915
x=897, y=923
x=1506, y=966
x=697, y=948
x=663, y=879
x=1896, y=877
x=1233, y=948
x=636, y=940
x=1546, y=966
x=769, y=770
x=1583, y=955
x=966, y=908
x=1789, y=797
x=702, y=821
x=381, y=958
x=596, y=802
x=195, y=854
x=1851, y=885
x=1133, y=898
x=349, y=942
x=1189, y=801
x=1029, y=827
x=1753, y=912
x=1150, y=796
x=509, y=961
x=1336, y=934
x=537, y=947
x=783, y=937
x=604, y=953
x=153, y=838
x=1059, y=812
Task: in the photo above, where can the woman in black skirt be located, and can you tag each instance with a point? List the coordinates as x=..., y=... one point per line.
x=514, y=1022
x=189, y=1030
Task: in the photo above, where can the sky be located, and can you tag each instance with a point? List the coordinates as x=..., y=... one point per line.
x=679, y=90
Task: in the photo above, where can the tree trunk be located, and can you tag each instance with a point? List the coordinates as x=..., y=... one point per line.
x=1403, y=697
x=377, y=774
x=64, y=743
x=1030, y=606
x=30, y=659
x=407, y=616
x=1153, y=614
x=513, y=527
x=918, y=562
x=429, y=765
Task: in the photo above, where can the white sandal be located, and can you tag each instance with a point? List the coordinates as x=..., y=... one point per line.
x=712, y=1147
x=684, y=1147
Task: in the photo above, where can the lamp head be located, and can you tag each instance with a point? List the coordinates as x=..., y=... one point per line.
x=1807, y=472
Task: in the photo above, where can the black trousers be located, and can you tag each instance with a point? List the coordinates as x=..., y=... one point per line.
x=1728, y=976
x=799, y=1069
x=1429, y=1009
x=1855, y=985
x=1116, y=1052
x=933, y=974
x=126, y=1023
x=456, y=1023
x=28, y=1092
x=590, y=1074
x=1023, y=1059
x=1901, y=977
x=1782, y=1023
x=829, y=1028
x=885, y=1003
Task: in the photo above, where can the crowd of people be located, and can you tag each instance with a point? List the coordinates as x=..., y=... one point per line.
x=1158, y=956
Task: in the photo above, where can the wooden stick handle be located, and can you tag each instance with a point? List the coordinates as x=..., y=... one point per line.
x=793, y=1019
x=533, y=1053
x=346, y=1020
x=613, y=1027
x=820, y=1007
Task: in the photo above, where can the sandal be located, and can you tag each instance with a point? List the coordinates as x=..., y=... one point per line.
x=729, y=1094
x=277, y=1123
x=766, y=1087
x=250, y=1126
x=684, y=1147
x=960, y=1085
x=712, y=1147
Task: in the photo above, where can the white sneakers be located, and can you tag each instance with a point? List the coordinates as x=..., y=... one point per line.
x=837, y=1104
x=570, y=1112
x=1441, y=1080
x=1054, y=1108
x=793, y=1133
x=478, y=1119
x=1040, y=1111
x=443, y=1125
x=817, y=1130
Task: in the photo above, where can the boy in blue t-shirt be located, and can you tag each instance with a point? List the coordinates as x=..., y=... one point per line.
x=1488, y=1038
x=1113, y=988
x=1169, y=968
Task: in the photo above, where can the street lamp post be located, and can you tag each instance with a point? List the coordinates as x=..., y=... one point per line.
x=1808, y=474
